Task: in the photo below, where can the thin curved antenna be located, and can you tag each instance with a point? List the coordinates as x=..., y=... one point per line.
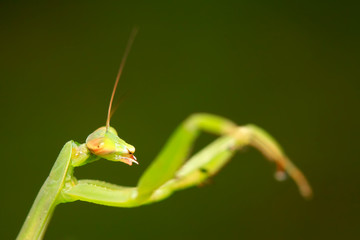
x=118, y=101
x=126, y=53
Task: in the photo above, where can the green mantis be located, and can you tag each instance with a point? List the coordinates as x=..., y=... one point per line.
x=172, y=170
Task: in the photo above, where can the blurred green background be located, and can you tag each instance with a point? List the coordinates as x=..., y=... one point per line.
x=291, y=67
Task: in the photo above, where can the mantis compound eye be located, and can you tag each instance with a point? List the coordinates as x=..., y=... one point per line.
x=97, y=147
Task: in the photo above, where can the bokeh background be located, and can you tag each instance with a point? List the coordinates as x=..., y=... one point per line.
x=291, y=67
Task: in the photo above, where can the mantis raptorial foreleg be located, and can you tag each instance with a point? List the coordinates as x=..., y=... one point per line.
x=168, y=172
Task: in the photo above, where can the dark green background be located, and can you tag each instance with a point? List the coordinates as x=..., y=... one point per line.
x=291, y=67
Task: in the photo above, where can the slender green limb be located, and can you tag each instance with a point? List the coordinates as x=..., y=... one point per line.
x=48, y=197
x=101, y=193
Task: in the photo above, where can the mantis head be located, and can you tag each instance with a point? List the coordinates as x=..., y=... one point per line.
x=107, y=144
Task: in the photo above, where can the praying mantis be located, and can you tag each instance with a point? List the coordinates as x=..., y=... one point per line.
x=172, y=169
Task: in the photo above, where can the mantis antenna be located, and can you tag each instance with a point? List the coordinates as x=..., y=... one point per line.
x=123, y=60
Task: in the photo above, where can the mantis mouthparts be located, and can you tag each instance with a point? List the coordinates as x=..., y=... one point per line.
x=128, y=160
